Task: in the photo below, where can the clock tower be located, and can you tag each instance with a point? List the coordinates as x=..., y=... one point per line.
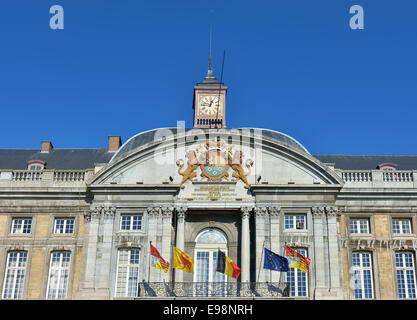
x=209, y=102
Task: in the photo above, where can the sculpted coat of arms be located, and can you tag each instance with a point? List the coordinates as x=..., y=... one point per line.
x=214, y=158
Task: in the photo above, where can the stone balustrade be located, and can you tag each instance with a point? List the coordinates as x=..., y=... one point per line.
x=33, y=177
x=379, y=178
x=356, y=176
x=69, y=175
x=398, y=176
x=26, y=175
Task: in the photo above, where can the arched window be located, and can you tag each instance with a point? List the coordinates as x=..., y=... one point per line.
x=208, y=280
x=36, y=165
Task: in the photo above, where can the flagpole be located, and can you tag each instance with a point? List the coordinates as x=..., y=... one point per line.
x=149, y=266
x=280, y=274
x=260, y=263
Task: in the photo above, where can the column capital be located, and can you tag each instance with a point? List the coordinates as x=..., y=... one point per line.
x=275, y=211
x=99, y=211
x=317, y=211
x=109, y=212
x=167, y=212
x=153, y=211
x=181, y=211
x=260, y=212
x=96, y=211
x=246, y=211
x=332, y=211
x=87, y=216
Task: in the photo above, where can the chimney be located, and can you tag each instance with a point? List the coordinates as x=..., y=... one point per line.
x=46, y=146
x=115, y=143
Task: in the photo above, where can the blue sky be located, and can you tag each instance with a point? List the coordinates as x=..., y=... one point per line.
x=122, y=67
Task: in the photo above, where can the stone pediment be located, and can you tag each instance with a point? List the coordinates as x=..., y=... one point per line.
x=231, y=160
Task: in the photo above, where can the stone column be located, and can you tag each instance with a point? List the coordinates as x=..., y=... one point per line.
x=260, y=216
x=275, y=231
x=180, y=238
x=153, y=215
x=336, y=290
x=319, y=265
x=245, y=245
x=166, y=238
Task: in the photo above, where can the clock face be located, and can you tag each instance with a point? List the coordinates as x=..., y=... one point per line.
x=209, y=105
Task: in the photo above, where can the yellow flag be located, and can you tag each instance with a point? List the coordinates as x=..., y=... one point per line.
x=183, y=261
x=161, y=266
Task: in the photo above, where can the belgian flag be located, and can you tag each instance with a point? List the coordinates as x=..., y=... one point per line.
x=227, y=266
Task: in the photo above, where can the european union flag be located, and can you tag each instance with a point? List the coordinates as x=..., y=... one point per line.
x=275, y=262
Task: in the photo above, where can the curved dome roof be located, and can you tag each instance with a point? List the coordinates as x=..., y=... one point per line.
x=145, y=137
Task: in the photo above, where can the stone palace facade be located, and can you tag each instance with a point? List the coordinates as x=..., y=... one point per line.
x=77, y=223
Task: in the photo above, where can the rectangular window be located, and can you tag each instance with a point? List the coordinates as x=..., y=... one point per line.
x=21, y=225
x=131, y=222
x=58, y=275
x=359, y=226
x=209, y=282
x=127, y=278
x=297, y=279
x=406, y=276
x=64, y=226
x=14, y=277
x=401, y=226
x=295, y=222
x=362, y=275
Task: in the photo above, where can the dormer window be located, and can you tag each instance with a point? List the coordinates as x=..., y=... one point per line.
x=36, y=165
x=387, y=166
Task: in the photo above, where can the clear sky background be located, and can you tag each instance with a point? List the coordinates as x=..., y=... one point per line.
x=126, y=66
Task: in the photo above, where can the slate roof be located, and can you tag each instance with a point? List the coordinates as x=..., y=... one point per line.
x=80, y=159
x=368, y=162
x=60, y=159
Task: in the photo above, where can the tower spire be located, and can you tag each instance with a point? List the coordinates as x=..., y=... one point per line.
x=210, y=78
x=210, y=67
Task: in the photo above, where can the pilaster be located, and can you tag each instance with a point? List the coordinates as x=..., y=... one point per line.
x=275, y=214
x=260, y=216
